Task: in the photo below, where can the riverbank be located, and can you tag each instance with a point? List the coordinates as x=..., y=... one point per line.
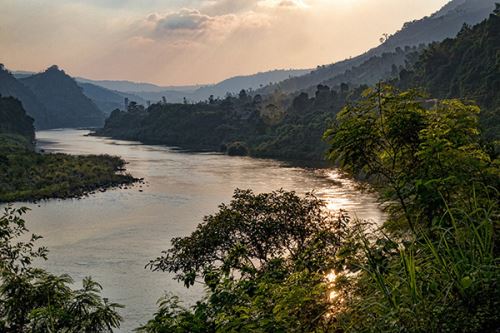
x=300, y=161
x=26, y=175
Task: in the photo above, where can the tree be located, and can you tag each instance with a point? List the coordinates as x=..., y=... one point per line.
x=264, y=258
x=253, y=232
x=33, y=300
x=419, y=153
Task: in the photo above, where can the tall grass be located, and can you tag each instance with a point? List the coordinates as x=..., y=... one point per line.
x=444, y=279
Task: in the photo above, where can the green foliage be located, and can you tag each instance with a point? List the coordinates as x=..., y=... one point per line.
x=442, y=280
x=27, y=175
x=33, y=300
x=417, y=152
x=465, y=67
x=426, y=159
x=264, y=259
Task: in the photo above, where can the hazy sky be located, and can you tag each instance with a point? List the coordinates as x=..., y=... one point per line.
x=193, y=41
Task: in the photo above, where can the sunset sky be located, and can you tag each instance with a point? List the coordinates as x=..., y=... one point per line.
x=174, y=42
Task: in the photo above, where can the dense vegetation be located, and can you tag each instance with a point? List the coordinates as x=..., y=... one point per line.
x=13, y=120
x=443, y=24
x=27, y=175
x=273, y=128
x=277, y=125
x=277, y=262
x=466, y=67
x=290, y=126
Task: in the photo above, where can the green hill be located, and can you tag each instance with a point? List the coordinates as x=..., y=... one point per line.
x=445, y=23
x=10, y=86
x=465, y=67
x=28, y=175
x=64, y=100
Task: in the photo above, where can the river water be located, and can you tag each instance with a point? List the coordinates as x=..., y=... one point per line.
x=112, y=235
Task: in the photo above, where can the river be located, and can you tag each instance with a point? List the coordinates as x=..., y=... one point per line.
x=112, y=235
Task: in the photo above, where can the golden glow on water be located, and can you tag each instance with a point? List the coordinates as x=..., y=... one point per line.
x=113, y=234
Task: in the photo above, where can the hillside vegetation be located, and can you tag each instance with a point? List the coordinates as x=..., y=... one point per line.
x=63, y=99
x=277, y=125
x=445, y=23
x=290, y=126
x=466, y=67
x=278, y=262
x=27, y=175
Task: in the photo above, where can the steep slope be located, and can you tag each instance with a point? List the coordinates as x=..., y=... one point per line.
x=9, y=86
x=466, y=67
x=66, y=105
x=445, y=23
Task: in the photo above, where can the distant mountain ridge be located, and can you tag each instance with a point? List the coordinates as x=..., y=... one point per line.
x=108, y=100
x=176, y=94
x=131, y=86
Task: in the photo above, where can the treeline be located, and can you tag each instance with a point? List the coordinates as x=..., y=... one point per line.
x=28, y=175
x=277, y=262
x=276, y=126
x=290, y=126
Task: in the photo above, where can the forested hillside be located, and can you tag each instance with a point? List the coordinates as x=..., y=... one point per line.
x=14, y=121
x=28, y=175
x=447, y=22
x=10, y=86
x=290, y=126
x=66, y=105
x=466, y=67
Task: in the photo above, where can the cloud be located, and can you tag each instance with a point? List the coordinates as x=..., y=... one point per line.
x=185, y=19
x=194, y=26
x=193, y=41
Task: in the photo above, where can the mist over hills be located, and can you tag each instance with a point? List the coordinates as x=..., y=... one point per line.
x=290, y=126
x=108, y=100
x=445, y=23
x=131, y=86
x=176, y=94
x=54, y=99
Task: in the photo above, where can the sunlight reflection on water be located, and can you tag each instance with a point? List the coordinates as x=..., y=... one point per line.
x=112, y=235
